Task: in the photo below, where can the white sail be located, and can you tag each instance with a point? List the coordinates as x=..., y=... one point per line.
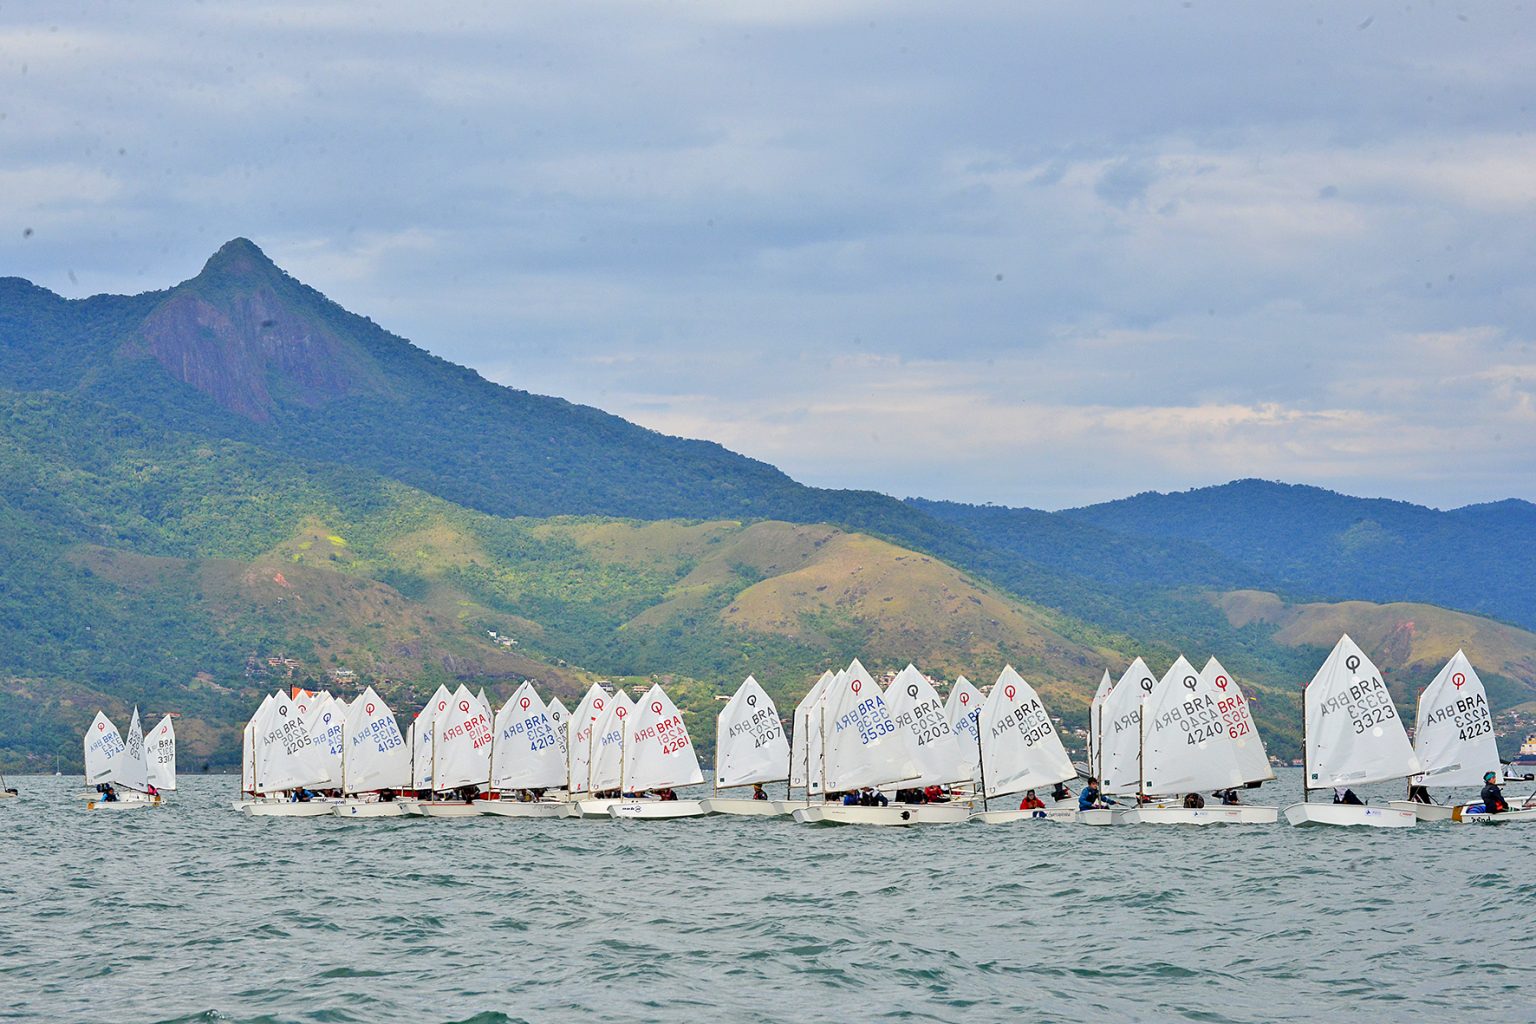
x=582, y=733
x=103, y=751
x=461, y=750
x=806, y=724
x=750, y=745
x=915, y=707
x=420, y=734
x=561, y=720
x=1453, y=735
x=608, y=742
x=248, y=746
x=658, y=751
x=528, y=751
x=325, y=719
x=864, y=747
x=1096, y=725
x=1242, y=731
x=1354, y=734
x=1020, y=748
x=1183, y=736
x=134, y=773
x=961, y=711
x=1120, y=729
x=285, y=756
x=377, y=756
x=160, y=755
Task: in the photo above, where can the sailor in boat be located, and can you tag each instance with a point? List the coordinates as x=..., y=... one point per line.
x=758, y=793
x=1061, y=792
x=1228, y=797
x=1493, y=796
x=872, y=797
x=1419, y=794
x=1194, y=801
x=108, y=793
x=300, y=796
x=1344, y=795
x=935, y=795
x=665, y=794
x=851, y=798
x=1031, y=802
x=1091, y=797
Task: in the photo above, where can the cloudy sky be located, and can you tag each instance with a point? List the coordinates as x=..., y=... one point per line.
x=1036, y=254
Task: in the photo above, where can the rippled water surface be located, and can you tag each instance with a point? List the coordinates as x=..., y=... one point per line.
x=194, y=912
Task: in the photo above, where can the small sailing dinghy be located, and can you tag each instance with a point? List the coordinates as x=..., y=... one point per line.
x=285, y=759
x=862, y=748
x=915, y=707
x=1352, y=736
x=462, y=735
x=528, y=756
x=750, y=750
x=1115, y=735
x=419, y=737
x=1019, y=750
x=606, y=767
x=805, y=740
x=160, y=756
x=375, y=760
x=1195, y=731
x=658, y=755
x=121, y=766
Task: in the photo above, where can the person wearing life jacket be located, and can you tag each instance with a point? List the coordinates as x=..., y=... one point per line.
x=1194, y=801
x=1031, y=802
x=758, y=792
x=1228, y=797
x=934, y=795
x=1090, y=797
x=1344, y=795
x=851, y=798
x=1419, y=794
x=1493, y=796
x=1061, y=792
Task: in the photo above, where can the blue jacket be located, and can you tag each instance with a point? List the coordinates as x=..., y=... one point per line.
x=1088, y=796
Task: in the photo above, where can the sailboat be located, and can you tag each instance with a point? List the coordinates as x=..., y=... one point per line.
x=375, y=760
x=1018, y=750
x=863, y=747
x=462, y=736
x=1115, y=735
x=605, y=769
x=961, y=709
x=1352, y=736
x=658, y=754
x=528, y=755
x=1454, y=739
x=418, y=736
x=248, y=756
x=160, y=756
x=750, y=749
x=284, y=758
x=1197, y=736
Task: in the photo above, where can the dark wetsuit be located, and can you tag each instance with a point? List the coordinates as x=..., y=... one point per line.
x=1493, y=799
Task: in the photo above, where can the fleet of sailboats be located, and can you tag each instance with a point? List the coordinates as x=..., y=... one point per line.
x=857, y=752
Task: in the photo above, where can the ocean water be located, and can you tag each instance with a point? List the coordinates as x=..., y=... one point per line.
x=193, y=912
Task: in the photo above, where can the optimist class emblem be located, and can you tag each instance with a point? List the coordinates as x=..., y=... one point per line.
x=1459, y=680
x=1009, y=691
x=464, y=705
x=101, y=726
x=1221, y=683
x=857, y=686
x=524, y=703
x=1146, y=684
x=1351, y=662
x=369, y=709
x=751, y=700
x=912, y=690
x=656, y=707
x=1190, y=682
x=965, y=698
x=441, y=704
x=621, y=712
x=598, y=703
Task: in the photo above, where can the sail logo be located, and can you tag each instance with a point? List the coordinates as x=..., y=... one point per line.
x=1190, y=682
x=369, y=709
x=1146, y=684
x=1221, y=683
x=1459, y=680
x=751, y=700
x=1009, y=691
x=656, y=707
x=965, y=698
x=524, y=703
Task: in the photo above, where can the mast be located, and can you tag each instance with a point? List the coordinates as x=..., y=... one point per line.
x=1141, y=754
x=981, y=764
x=1306, y=768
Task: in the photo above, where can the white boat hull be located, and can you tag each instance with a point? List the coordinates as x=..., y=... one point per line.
x=1152, y=814
x=528, y=809
x=648, y=809
x=287, y=809
x=6, y=794
x=137, y=803
x=1425, y=812
x=450, y=808
x=1097, y=816
x=368, y=809
x=894, y=815
x=1058, y=814
x=1258, y=814
x=1462, y=817
x=1369, y=815
x=595, y=808
x=746, y=806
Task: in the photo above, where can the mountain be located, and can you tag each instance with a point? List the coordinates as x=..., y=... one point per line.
x=234, y=483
